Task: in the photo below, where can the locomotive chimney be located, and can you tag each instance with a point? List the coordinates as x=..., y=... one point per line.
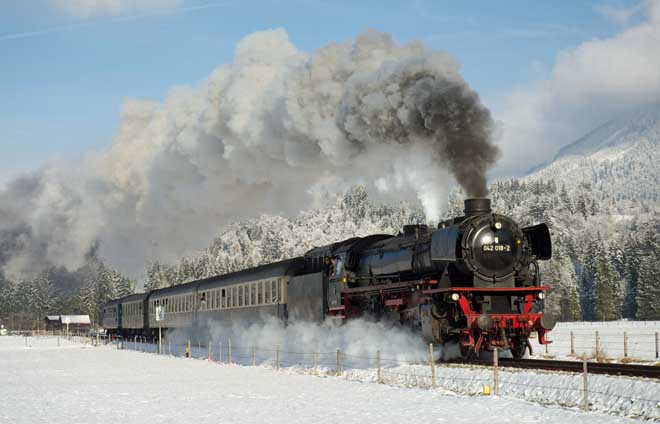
x=477, y=206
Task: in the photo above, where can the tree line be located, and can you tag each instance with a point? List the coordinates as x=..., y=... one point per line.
x=26, y=302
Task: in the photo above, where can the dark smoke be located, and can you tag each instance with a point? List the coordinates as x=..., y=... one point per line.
x=452, y=115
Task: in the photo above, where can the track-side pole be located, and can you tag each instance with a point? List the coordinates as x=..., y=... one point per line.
x=432, y=363
x=496, y=372
x=585, y=404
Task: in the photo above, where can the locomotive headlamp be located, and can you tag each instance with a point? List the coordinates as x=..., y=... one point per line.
x=498, y=225
x=455, y=297
x=541, y=295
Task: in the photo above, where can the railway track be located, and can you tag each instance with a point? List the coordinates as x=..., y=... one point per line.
x=630, y=370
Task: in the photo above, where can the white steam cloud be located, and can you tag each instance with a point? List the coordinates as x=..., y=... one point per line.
x=358, y=339
x=588, y=85
x=265, y=134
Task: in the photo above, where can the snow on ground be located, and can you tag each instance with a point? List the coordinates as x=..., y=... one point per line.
x=73, y=383
x=641, y=339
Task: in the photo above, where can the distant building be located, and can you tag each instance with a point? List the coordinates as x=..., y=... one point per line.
x=59, y=322
x=52, y=323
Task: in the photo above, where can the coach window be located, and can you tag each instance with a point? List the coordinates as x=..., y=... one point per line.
x=202, y=301
x=234, y=297
x=267, y=292
x=273, y=291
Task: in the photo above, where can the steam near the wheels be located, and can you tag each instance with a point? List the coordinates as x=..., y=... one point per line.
x=272, y=132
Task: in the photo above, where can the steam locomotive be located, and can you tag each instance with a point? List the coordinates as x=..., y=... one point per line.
x=473, y=280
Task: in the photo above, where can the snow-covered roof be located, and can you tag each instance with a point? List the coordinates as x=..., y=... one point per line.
x=75, y=319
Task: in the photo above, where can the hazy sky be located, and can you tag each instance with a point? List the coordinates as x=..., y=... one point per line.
x=67, y=66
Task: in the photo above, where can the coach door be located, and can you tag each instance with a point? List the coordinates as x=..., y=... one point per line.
x=334, y=275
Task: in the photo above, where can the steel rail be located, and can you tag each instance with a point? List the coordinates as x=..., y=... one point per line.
x=608, y=368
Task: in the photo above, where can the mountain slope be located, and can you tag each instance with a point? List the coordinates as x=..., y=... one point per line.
x=619, y=160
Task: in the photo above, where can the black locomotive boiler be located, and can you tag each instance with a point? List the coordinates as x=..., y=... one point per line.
x=473, y=280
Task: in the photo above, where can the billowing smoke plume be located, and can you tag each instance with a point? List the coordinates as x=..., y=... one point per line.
x=270, y=133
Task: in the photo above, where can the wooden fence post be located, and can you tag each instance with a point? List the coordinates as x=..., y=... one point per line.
x=432, y=363
x=656, y=346
x=585, y=404
x=625, y=344
x=380, y=376
x=339, y=361
x=188, y=353
x=496, y=376
x=597, y=345
x=572, y=344
x=277, y=357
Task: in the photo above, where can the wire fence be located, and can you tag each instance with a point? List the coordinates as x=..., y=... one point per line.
x=587, y=391
x=629, y=344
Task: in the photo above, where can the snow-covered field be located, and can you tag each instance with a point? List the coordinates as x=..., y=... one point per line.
x=73, y=383
x=641, y=339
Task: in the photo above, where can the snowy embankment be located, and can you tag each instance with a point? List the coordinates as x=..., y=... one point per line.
x=80, y=383
x=612, y=338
